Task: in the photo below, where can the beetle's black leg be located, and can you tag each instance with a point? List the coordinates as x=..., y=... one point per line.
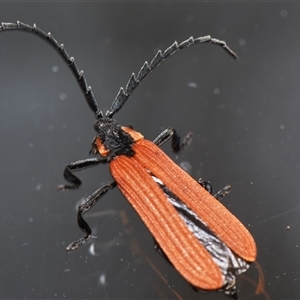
x=176, y=144
x=76, y=166
x=206, y=185
x=223, y=192
x=220, y=194
x=85, y=206
x=231, y=291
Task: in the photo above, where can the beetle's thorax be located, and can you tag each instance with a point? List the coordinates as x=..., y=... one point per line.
x=112, y=139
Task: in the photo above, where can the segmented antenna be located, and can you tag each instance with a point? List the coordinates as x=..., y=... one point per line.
x=146, y=69
x=133, y=82
x=87, y=90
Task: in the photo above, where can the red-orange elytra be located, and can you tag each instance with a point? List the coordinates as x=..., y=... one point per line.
x=185, y=252
x=201, y=238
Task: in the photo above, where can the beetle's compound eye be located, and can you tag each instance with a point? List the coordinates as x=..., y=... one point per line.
x=98, y=124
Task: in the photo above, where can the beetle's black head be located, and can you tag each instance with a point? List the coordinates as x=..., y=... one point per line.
x=113, y=137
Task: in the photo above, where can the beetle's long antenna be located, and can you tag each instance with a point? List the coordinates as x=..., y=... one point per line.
x=133, y=82
x=146, y=69
x=87, y=90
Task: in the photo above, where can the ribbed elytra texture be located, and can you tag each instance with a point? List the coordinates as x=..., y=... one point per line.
x=185, y=252
x=218, y=218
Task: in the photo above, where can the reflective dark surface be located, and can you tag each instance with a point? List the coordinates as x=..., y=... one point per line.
x=244, y=115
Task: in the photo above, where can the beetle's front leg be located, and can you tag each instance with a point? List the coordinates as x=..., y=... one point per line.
x=76, y=166
x=220, y=194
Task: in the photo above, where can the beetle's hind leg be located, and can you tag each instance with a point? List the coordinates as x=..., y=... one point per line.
x=220, y=194
x=85, y=206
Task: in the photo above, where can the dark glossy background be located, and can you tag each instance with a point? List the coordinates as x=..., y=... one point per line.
x=244, y=115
